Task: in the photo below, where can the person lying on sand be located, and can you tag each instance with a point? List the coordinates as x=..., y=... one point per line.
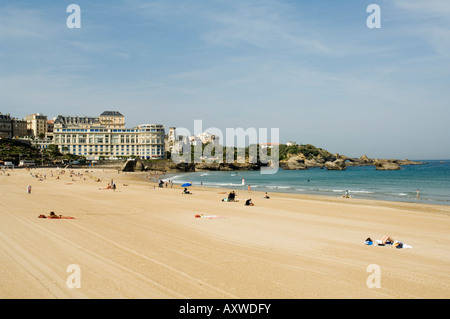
x=54, y=216
x=386, y=240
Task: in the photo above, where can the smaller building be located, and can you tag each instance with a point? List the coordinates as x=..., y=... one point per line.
x=112, y=119
x=268, y=145
x=36, y=124
x=5, y=126
x=19, y=128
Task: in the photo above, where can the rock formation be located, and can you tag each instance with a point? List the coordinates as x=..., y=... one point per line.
x=204, y=166
x=294, y=163
x=384, y=164
x=337, y=165
x=133, y=165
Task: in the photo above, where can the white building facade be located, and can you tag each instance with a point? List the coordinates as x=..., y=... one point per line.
x=95, y=139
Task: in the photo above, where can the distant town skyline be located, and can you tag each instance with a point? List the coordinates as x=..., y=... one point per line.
x=313, y=69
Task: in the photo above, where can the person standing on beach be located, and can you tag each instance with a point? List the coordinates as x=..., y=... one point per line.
x=249, y=188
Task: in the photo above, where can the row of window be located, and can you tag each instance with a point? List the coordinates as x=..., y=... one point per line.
x=82, y=139
x=99, y=150
x=111, y=130
x=106, y=141
x=112, y=147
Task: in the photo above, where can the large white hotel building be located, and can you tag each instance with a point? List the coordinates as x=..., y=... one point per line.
x=106, y=136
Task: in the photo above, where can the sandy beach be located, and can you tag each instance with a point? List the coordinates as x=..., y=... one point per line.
x=141, y=241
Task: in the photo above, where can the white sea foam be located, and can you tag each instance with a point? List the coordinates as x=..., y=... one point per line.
x=361, y=192
x=223, y=184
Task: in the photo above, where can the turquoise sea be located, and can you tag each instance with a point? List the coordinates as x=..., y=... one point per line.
x=431, y=179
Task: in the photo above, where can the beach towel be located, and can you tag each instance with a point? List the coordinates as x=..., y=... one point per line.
x=396, y=244
x=207, y=216
x=399, y=244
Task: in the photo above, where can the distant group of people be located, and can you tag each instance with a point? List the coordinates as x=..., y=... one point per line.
x=346, y=195
x=249, y=202
x=4, y=173
x=232, y=198
x=111, y=185
x=386, y=240
x=161, y=183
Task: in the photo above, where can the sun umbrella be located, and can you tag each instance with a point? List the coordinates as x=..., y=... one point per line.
x=186, y=185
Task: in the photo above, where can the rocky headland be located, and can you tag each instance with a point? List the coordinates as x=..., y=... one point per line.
x=294, y=162
x=341, y=162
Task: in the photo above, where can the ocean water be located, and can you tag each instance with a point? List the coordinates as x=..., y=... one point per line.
x=431, y=179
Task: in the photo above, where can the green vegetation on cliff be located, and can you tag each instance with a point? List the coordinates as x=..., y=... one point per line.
x=284, y=151
x=310, y=151
x=12, y=150
x=16, y=150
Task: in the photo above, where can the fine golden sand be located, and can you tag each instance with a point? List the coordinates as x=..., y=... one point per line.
x=141, y=241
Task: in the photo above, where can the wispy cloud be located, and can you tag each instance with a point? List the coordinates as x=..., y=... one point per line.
x=268, y=25
x=18, y=24
x=425, y=9
x=429, y=21
x=264, y=25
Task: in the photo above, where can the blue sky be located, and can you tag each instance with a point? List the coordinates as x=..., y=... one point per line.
x=313, y=69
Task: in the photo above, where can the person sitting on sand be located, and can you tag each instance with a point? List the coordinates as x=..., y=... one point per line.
x=231, y=196
x=248, y=202
x=185, y=191
x=266, y=196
